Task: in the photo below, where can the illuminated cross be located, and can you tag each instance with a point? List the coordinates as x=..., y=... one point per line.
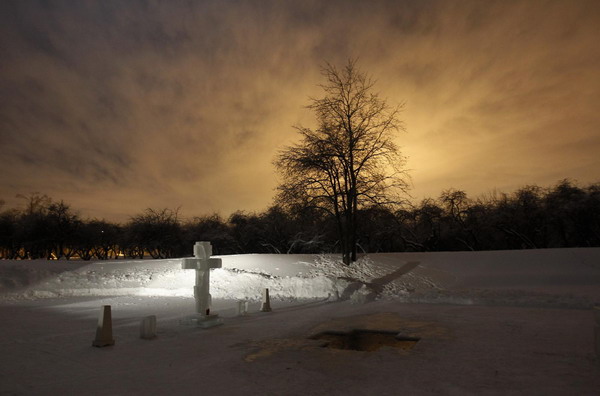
x=202, y=263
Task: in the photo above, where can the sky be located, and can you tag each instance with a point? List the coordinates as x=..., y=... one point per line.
x=118, y=106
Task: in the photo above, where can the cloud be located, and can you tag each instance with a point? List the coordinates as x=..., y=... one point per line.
x=118, y=106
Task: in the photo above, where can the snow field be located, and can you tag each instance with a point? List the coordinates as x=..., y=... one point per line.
x=493, y=323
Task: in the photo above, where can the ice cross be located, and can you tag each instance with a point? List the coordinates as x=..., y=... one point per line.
x=202, y=263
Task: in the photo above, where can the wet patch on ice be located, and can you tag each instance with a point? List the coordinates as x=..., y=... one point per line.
x=365, y=340
x=385, y=321
x=265, y=348
x=375, y=330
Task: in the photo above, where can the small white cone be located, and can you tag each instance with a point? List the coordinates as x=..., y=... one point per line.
x=266, y=302
x=104, y=330
x=241, y=308
x=148, y=328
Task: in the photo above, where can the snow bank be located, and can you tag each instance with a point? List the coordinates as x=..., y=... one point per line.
x=553, y=277
x=242, y=277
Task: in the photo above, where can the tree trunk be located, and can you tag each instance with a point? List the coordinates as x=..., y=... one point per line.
x=349, y=240
x=353, y=224
x=346, y=250
x=344, y=238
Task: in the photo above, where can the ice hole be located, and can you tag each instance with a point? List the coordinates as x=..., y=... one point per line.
x=365, y=340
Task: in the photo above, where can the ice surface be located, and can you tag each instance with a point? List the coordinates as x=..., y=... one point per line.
x=494, y=322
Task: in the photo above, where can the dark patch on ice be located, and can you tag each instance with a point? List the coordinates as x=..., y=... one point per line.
x=365, y=340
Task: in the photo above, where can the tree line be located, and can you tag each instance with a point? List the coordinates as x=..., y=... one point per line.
x=564, y=215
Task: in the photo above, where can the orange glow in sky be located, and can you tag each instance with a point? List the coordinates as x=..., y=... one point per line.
x=115, y=107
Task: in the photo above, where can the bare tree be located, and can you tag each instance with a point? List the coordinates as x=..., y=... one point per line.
x=350, y=160
x=63, y=226
x=156, y=232
x=35, y=202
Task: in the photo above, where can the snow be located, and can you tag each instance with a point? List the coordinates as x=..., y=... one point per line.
x=501, y=322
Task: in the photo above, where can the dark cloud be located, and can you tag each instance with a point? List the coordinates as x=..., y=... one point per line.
x=116, y=106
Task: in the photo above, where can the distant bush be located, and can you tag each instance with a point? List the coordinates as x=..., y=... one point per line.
x=564, y=215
